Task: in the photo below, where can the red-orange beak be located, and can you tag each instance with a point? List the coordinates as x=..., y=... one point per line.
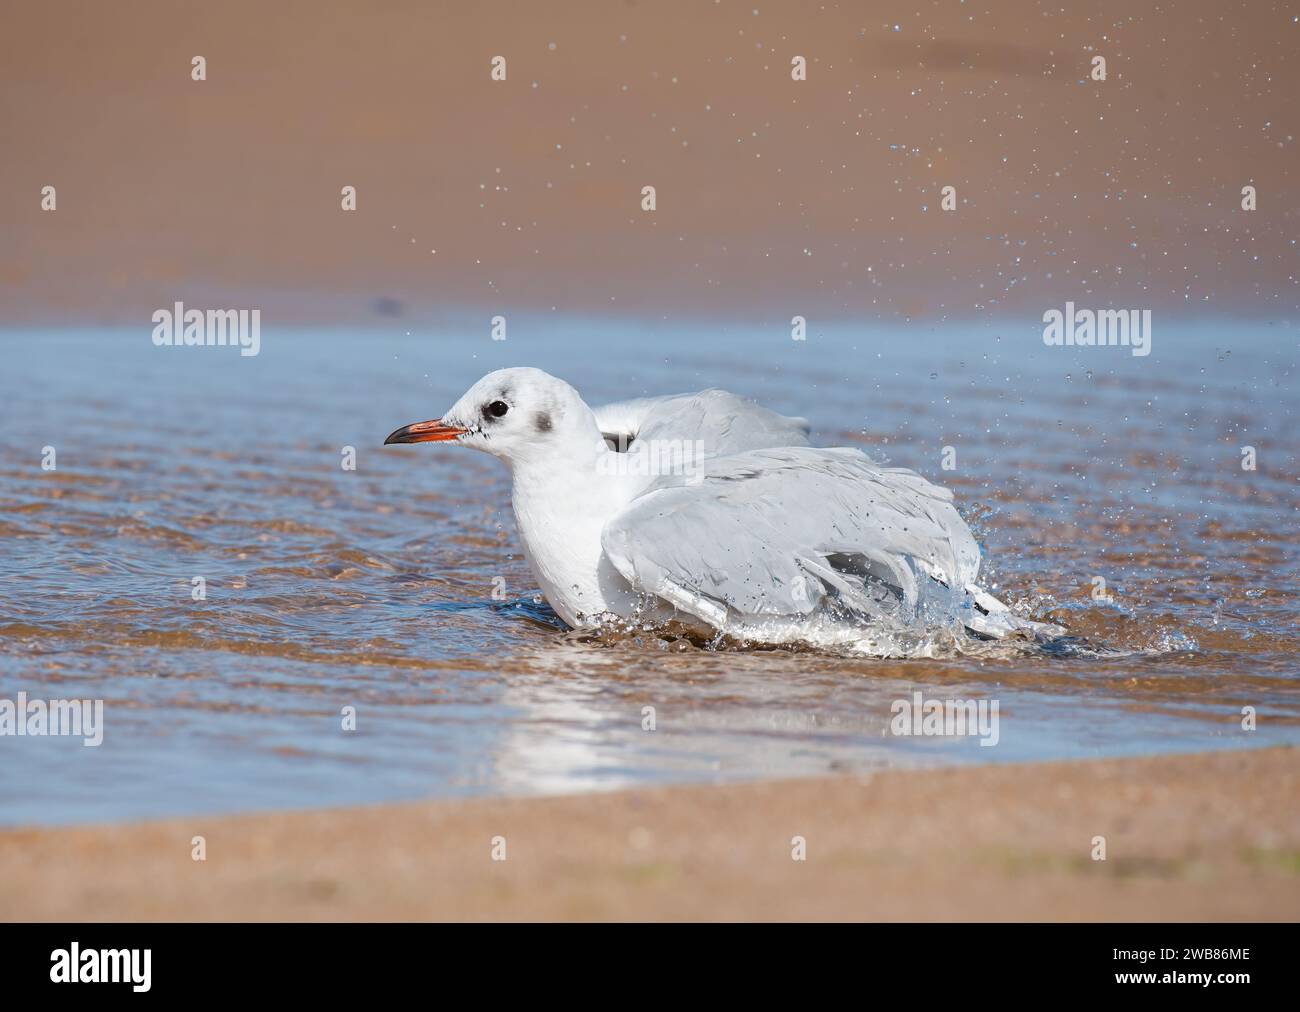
x=426, y=432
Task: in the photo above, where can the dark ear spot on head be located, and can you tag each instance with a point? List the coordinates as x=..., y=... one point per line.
x=543, y=421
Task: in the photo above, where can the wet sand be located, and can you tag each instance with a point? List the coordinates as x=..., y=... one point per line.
x=1213, y=836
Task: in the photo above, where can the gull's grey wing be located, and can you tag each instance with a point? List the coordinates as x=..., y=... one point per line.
x=722, y=422
x=784, y=532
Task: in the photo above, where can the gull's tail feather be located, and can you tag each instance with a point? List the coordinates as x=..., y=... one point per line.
x=991, y=618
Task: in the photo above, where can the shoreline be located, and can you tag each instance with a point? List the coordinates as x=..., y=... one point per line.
x=1210, y=836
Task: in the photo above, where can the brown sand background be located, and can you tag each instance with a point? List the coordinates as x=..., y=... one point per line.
x=774, y=197
x=1207, y=837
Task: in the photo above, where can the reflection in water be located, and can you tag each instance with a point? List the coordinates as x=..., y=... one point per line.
x=373, y=588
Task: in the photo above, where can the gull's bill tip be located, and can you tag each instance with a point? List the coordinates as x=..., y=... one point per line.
x=433, y=431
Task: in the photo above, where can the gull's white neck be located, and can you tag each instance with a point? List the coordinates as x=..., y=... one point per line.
x=562, y=502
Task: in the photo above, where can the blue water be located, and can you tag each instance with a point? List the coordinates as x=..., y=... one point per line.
x=374, y=588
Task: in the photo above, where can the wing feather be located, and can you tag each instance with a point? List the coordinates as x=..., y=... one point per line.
x=775, y=532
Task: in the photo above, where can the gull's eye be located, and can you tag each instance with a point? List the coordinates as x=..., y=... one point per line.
x=497, y=408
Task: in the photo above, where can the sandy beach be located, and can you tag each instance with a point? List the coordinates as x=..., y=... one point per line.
x=1213, y=836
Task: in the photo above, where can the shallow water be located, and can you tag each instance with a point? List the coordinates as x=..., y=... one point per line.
x=373, y=588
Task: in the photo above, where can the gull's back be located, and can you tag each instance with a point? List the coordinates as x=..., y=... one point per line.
x=723, y=422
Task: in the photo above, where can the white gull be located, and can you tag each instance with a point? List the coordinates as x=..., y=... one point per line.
x=714, y=512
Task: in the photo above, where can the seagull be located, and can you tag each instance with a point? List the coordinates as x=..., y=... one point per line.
x=715, y=513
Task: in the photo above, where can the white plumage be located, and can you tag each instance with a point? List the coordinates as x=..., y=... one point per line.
x=713, y=511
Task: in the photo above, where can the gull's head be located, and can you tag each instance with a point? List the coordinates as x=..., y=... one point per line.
x=515, y=414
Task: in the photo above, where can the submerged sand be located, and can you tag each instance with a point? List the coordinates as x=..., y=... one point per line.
x=1213, y=837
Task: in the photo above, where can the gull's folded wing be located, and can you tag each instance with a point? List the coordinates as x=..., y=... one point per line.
x=773, y=532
